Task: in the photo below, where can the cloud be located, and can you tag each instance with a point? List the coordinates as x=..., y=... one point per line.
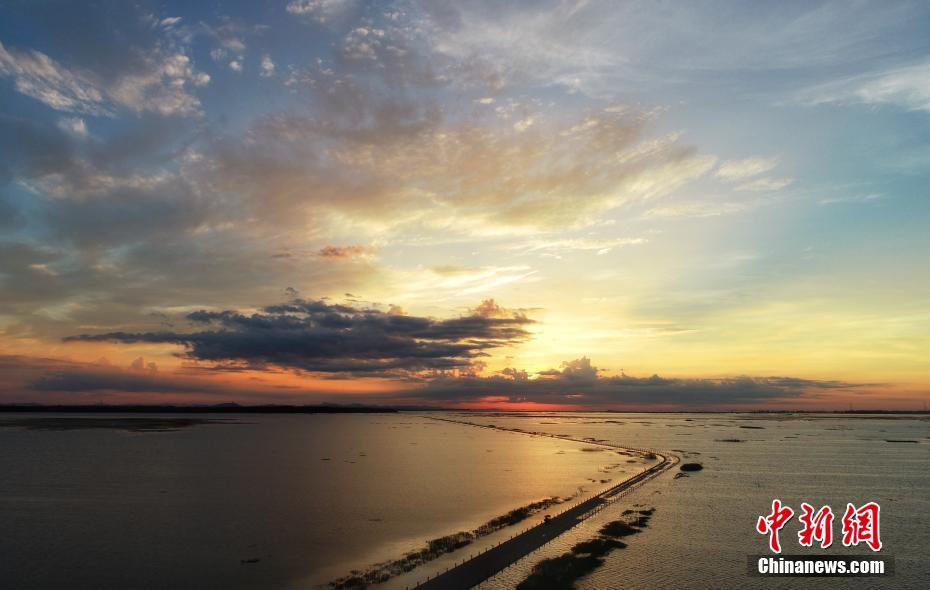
x=740, y=169
x=125, y=211
x=93, y=380
x=230, y=34
x=524, y=124
x=563, y=245
x=861, y=198
x=600, y=48
x=579, y=383
x=396, y=164
x=25, y=379
x=159, y=84
x=73, y=125
x=36, y=376
x=152, y=212
x=373, y=155
x=765, y=184
x=139, y=364
x=445, y=281
x=321, y=11
x=346, y=252
x=319, y=337
x=697, y=209
x=267, y=66
x=906, y=87
x=38, y=76
x=496, y=45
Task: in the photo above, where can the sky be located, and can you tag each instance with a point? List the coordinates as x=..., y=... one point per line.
x=511, y=205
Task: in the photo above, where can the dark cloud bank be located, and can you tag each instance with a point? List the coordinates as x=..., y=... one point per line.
x=320, y=337
x=434, y=360
x=579, y=383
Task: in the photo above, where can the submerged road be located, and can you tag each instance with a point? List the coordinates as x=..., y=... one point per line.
x=484, y=565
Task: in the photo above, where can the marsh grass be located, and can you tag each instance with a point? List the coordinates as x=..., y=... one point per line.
x=381, y=572
x=561, y=573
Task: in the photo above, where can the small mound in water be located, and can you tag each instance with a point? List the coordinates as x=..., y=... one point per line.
x=598, y=546
x=561, y=573
x=691, y=467
x=618, y=528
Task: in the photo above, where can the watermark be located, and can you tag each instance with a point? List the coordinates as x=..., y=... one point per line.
x=860, y=525
x=820, y=565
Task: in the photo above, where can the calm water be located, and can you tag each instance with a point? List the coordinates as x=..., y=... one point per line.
x=311, y=496
x=314, y=497
x=703, y=527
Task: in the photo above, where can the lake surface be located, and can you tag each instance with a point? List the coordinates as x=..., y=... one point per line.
x=703, y=527
x=312, y=497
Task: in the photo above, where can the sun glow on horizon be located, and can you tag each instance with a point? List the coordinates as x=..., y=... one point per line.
x=398, y=205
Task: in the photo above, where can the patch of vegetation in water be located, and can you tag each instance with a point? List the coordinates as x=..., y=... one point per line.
x=561, y=573
x=381, y=572
x=691, y=467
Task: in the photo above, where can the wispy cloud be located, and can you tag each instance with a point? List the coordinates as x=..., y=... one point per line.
x=435, y=153
x=564, y=245
x=732, y=170
x=866, y=198
x=42, y=78
x=161, y=85
x=321, y=11
x=765, y=184
x=74, y=125
x=347, y=252
x=698, y=209
x=906, y=87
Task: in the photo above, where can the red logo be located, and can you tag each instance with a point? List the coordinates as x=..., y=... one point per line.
x=817, y=527
x=860, y=525
x=773, y=523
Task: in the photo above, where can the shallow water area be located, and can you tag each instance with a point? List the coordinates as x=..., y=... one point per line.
x=703, y=528
x=259, y=501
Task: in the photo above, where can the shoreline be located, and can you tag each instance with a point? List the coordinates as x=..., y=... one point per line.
x=407, y=569
x=471, y=572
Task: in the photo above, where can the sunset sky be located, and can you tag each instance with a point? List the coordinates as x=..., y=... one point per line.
x=630, y=205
